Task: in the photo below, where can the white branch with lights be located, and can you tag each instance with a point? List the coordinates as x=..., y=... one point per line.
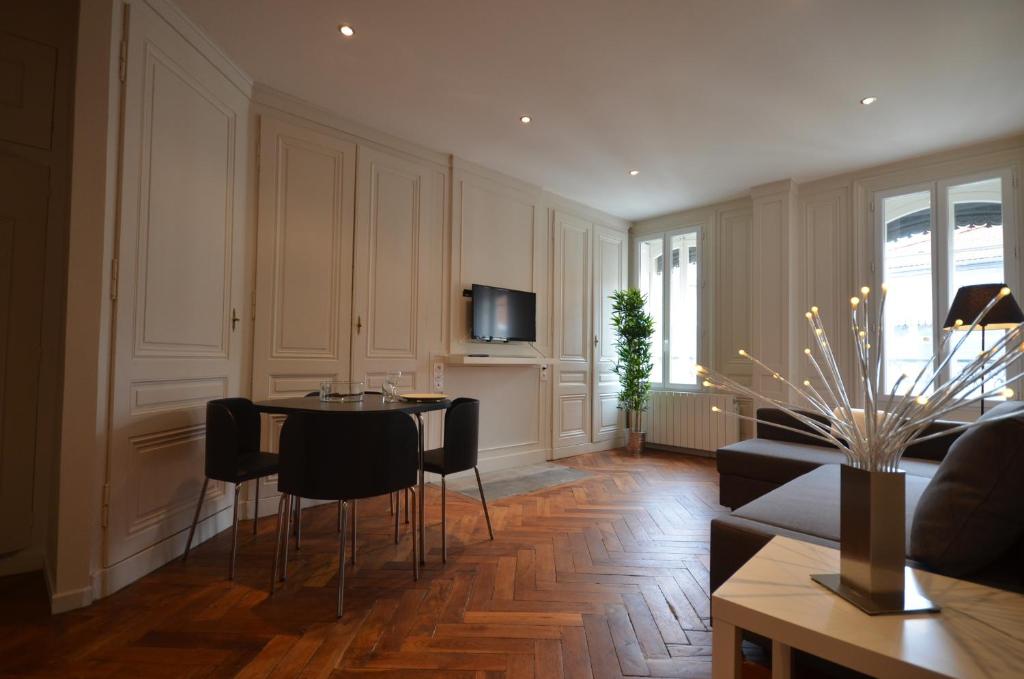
x=876, y=438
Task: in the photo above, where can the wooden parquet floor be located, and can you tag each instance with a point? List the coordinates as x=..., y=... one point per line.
x=603, y=577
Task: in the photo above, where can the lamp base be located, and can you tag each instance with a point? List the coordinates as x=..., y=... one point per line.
x=910, y=600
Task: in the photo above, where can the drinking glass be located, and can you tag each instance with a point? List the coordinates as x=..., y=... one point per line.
x=392, y=381
x=345, y=391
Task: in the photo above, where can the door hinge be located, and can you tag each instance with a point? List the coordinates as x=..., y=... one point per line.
x=114, y=266
x=1014, y=177
x=122, y=65
x=122, y=62
x=105, y=511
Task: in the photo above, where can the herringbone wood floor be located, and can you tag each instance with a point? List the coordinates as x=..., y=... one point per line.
x=603, y=577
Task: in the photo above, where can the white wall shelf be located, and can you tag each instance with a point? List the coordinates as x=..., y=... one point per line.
x=466, y=359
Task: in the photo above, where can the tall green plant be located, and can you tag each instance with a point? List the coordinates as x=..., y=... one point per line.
x=634, y=328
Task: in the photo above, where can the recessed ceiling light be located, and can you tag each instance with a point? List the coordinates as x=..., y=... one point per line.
x=867, y=101
x=633, y=173
x=525, y=120
x=346, y=30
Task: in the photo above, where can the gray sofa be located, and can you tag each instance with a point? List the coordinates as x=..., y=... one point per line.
x=784, y=483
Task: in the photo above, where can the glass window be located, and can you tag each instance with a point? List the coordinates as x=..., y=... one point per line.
x=684, y=285
x=907, y=254
x=650, y=283
x=668, y=274
x=929, y=252
x=975, y=214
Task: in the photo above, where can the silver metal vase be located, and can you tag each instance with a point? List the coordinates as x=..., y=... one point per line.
x=872, y=544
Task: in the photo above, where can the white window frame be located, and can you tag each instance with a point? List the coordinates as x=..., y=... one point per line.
x=942, y=254
x=662, y=382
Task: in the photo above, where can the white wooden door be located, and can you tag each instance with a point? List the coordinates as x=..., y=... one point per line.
x=303, y=269
x=304, y=260
x=573, y=334
x=610, y=274
x=398, y=297
x=179, y=278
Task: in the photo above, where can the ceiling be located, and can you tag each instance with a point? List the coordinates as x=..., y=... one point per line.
x=705, y=97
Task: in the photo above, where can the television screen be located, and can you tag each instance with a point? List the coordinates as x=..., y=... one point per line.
x=501, y=315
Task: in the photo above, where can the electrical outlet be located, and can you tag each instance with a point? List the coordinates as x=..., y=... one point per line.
x=438, y=376
x=543, y=373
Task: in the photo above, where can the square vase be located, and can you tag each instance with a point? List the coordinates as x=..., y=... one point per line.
x=872, y=544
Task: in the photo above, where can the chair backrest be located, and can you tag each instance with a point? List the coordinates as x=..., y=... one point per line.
x=461, y=435
x=347, y=456
x=232, y=431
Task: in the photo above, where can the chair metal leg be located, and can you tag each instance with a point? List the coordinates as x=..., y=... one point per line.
x=412, y=534
x=394, y=506
x=298, y=523
x=234, y=533
x=407, y=505
x=391, y=503
x=483, y=500
x=339, y=516
x=256, y=508
x=282, y=532
x=444, y=521
x=341, y=560
x=287, y=529
x=195, y=520
x=354, y=505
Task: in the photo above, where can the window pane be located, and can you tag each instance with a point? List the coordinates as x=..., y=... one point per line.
x=976, y=218
x=652, y=287
x=907, y=255
x=684, y=286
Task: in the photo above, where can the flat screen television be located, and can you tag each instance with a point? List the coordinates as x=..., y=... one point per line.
x=502, y=315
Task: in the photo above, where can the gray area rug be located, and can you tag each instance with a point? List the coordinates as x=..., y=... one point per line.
x=517, y=481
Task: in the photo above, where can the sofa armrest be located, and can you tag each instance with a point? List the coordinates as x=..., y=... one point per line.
x=766, y=431
x=936, y=448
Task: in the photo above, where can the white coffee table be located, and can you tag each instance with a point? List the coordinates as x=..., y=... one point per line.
x=979, y=633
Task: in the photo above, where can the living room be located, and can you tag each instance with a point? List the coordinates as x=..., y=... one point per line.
x=682, y=278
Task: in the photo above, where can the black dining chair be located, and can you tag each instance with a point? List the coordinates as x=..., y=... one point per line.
x=344, y=457
x=233, y=455
x=459, y=454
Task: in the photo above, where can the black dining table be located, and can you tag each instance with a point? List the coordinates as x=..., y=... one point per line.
x=371, y=403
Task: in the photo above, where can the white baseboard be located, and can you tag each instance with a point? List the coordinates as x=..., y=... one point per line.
x=583, y=448
x=108, y=580
x=62, y=602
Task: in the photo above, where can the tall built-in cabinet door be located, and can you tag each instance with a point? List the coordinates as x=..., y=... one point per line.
x=610, y=262
x=398, y=296
x=573, y=335
x=24, y=194
x=303, y=267
x=180, y=281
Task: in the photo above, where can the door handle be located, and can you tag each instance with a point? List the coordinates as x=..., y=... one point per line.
x=359, y=324
x=234, y=319
x=596, y=341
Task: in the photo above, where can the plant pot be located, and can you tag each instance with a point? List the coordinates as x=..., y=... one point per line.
x=872, y=544
x=635, y=443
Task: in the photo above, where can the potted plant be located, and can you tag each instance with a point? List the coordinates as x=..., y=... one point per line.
x=633, y=328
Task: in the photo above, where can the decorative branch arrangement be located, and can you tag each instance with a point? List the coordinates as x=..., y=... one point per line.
x=875, y=439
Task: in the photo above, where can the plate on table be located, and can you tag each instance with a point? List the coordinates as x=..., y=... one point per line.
x=423, y=397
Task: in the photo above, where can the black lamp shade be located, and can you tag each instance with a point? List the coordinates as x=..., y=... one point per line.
x=971, y=299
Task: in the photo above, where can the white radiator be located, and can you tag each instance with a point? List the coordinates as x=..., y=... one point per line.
x=685, y=420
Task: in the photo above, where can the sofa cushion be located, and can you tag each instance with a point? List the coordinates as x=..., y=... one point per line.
x=766, y=431
x=973, y=512
x=780, y=462
x=810, y=504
